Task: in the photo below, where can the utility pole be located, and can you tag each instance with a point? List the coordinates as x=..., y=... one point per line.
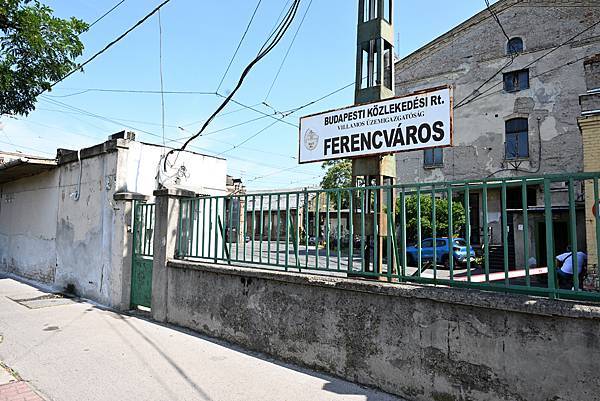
x=374, y=81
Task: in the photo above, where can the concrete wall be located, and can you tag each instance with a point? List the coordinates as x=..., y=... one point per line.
x=48, y=235
x=187, y=170
x=28, y=245
x=86, y=228
x=420, y=343
x=467, y=56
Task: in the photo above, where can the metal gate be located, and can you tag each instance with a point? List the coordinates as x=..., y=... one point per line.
x=141, y=266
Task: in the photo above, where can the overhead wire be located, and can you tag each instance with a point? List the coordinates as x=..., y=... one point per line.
x=135, y=91
x=248, y=139
x=287, y=53
x=204, y=150
x=430, y=54
x=242, y=105
x=26, y=147
x=466, y=101
x=260, y=177
x=497, y=19
x=109, y=45
x=156, y=124
x=219, y=116
x=276, y=27
x=487, y=92
x=223, y=129
x=105, y=14
x=510, y=54
x=239, y=45
x=266, y=49
x=263, y=151
x=284, y=114
x=28, y=121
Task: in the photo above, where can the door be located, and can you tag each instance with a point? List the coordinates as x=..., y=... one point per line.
x=141, y=264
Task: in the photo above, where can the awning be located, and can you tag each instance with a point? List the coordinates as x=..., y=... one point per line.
x=24, y=167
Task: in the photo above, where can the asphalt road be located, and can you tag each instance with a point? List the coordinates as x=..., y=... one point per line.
x=77, y=351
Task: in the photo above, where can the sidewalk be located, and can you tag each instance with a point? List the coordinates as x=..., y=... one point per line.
x=70, y=350
x=12, y=388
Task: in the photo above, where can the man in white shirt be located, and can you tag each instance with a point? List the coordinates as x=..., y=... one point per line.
x=565, y=272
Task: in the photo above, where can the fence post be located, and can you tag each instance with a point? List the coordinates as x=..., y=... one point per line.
x=165, y=244
x=124, y=203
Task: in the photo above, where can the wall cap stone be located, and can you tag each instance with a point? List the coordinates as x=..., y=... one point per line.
x=460, y=296
x=125, y=196
x=174, y=192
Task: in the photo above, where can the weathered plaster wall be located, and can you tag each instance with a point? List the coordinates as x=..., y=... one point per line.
x=47, y=235
x=85, y=228
x=28, y=210
x=421, y=343
x=190, y=171
x=468, y=56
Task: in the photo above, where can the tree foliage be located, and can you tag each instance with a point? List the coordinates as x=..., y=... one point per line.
x=441, y=217
x=338, y=175
x=36, y=49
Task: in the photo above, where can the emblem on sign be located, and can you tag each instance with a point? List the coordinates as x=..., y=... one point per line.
x=311, y=139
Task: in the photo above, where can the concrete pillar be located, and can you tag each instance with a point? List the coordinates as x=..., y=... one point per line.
x=124, y=235
x=165, y=244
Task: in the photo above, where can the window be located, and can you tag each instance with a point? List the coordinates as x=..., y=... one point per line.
x=370, y=10
x=514, y=46
x=514, y=197
x=516, y=81
x=387, y=10
x=370, y=64
x=434, y=157
x=427, y=244
x=517, y=139
x=387, y=65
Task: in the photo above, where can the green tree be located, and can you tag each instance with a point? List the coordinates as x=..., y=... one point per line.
x=36, y=49
x=441, y=217
x=338, y=175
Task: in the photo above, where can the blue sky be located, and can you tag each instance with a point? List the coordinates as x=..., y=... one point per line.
x=199, y=37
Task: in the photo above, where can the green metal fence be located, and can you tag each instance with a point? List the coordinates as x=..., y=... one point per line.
x=500, y=234
x=143, y=251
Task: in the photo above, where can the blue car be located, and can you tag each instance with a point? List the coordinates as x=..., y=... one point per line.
x=459, y=251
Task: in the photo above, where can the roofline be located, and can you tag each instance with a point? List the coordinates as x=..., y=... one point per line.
x=187, y=151
x=26, y=160
x=481, y=16
x=23, y=155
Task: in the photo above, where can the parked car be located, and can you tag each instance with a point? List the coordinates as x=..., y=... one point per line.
x=459, y=252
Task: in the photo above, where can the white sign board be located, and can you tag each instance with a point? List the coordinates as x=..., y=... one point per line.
x=418, y=121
